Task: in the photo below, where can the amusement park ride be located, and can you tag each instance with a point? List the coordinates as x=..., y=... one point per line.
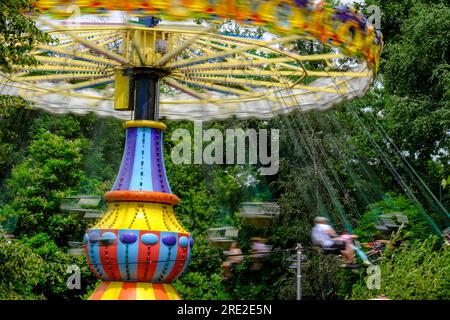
x=141, y=71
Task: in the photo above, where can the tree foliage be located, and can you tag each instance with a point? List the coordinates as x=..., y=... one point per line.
x=417, y=226
x=20, y=271
x=51, y=171
x=18, y=34
x=347, y=164
x=418, y=64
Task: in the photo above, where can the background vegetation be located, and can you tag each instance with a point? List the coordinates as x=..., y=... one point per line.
x=347, y=164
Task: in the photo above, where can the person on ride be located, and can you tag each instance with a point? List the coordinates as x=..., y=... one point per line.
x=326, y=237
x=234, y=257
x=352, y=249
x=348, y=253
x=235, y=254
x=260, y=250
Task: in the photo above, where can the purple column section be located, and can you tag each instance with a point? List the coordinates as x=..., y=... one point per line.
x=159, y=178
x=126, y=168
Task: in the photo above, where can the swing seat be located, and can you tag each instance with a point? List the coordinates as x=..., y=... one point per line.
x=382, y=228
x=352, y=266
x=323, y=250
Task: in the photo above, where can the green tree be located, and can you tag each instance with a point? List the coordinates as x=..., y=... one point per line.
x=19, y=34
x=395, y=13
x=418, y=64
x=15, y=120
x=51, y=171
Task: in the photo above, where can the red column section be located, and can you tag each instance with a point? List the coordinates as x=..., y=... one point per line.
x=160, y=291
x=128, y=291
x=108, y=257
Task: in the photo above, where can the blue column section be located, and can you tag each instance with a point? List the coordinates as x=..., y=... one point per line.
x=142, y=173
x=147, y=168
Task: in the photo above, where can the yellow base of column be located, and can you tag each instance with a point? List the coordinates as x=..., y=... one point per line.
x=115, y=290
x=140, y=216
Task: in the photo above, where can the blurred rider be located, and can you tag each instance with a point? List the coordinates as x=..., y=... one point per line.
x=325, y=236
x=234, y=257
x=260, y=250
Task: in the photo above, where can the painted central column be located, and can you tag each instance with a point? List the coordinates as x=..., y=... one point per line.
x=138, y=248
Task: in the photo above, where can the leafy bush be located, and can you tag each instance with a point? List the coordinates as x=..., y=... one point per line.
x=55, y=264
x=199, y=286
x=20, y=271
x=418, y=272
x=416, y=228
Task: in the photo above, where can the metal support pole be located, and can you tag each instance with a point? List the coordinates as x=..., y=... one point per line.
x=146, y=98
x=144, y=92
x=299, y=271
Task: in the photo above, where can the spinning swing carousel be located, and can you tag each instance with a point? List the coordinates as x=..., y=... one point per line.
x=140, y=71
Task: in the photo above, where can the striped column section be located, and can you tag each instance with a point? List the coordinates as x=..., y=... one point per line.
x=110, y=290
x=138, y=255
x=142, y=167
x=139, y=247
